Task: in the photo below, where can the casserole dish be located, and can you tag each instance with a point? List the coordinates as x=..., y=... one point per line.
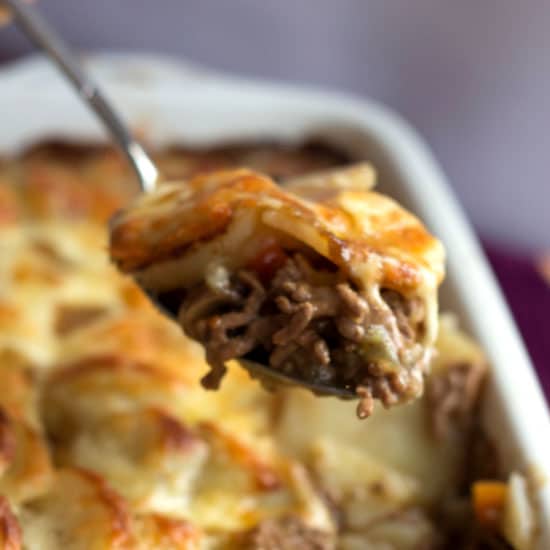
x=173, y=103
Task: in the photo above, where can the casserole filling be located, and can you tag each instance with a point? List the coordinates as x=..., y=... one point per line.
x=302, y=316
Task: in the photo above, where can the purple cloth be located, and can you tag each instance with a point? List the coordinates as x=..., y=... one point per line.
x=528, y=295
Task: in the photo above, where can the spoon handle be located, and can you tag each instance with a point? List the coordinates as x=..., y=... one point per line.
x=46, y=38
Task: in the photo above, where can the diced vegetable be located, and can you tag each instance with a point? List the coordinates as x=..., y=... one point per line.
x=489, y=498
x=269, y=261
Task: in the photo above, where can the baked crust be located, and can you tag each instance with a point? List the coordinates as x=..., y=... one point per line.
x=108, y=434
x=356, y=229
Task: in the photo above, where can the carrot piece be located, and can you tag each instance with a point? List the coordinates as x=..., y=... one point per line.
x=270, y=259
x=488, y=498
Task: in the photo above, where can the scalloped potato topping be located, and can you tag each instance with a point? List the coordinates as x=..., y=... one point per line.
x=109, y=441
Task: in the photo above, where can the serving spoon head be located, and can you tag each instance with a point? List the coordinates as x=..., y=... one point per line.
x=272, y=378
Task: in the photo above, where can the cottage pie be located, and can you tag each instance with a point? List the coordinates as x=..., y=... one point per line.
x=109, y=441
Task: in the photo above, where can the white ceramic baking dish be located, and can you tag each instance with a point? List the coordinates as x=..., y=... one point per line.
x=174, y=103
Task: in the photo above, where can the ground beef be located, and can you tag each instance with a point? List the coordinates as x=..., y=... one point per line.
x=312, y=324
x=288, y=533
x=452, y=396
x=460, y=529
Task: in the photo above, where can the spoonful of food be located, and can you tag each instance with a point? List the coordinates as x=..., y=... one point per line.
x=321, y=283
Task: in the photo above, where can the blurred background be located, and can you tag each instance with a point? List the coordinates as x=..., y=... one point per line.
x=472, y=76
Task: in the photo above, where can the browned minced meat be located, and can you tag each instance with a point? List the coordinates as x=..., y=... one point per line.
x=288, y=533
x=306, y=328
x=452, y=396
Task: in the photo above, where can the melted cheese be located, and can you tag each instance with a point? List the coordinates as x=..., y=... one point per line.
x=346, y=225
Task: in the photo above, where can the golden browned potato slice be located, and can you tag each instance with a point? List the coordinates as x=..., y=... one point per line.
x=25, y=467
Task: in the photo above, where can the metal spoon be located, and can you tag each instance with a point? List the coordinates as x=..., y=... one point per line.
x=46, y=38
